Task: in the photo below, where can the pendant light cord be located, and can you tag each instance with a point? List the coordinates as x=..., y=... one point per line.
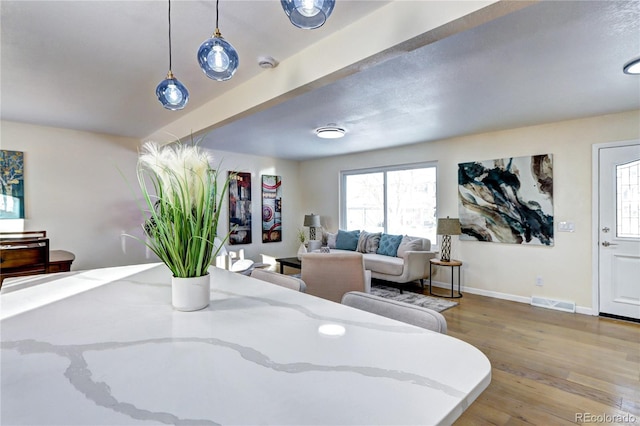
x=217, y=3
x=169, y=35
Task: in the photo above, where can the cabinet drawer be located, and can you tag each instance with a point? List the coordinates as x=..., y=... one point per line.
x=28, y=256
x=59, y=267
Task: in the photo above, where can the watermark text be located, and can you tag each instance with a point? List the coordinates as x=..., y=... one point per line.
x=605, y=418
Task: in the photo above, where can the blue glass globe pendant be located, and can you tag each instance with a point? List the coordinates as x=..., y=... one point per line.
x=308, y=14
x=217, y=58
x=171, y=93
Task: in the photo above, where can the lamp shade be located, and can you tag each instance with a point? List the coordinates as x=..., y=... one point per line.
x=448, y=226
x=312, y=220
x=217, y=58
x=308, y=14
x=171, y=93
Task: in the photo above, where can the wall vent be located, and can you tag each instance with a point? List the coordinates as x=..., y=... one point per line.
x=558, y=305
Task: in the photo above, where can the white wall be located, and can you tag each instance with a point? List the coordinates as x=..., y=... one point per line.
x=292, y=218
x=76, y=191
x=501, y=268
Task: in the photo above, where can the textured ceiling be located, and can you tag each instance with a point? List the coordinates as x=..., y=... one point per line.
x=548, y=62
x=94, y=66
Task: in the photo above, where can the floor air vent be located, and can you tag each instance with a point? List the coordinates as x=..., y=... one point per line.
x=558, y=305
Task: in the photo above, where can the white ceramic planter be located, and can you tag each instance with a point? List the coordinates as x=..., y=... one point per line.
x=301, y=250
x=190, y=294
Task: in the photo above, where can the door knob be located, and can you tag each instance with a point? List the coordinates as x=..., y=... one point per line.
x=607, y=244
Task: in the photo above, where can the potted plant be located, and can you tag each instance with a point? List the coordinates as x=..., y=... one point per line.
x=183, y=200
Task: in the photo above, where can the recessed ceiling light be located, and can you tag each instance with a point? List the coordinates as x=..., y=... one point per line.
x=330, y=131
x=633, y=67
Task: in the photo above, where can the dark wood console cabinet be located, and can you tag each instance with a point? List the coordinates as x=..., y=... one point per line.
x=60, y=261
x=27, y=253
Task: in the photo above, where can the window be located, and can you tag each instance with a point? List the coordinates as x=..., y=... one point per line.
x=394, y=200
x=628, y=200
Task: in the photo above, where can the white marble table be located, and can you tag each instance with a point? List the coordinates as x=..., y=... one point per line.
x=104, y=347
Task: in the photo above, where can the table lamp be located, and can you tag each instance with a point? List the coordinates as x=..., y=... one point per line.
x=313, y=222
x=447, y=227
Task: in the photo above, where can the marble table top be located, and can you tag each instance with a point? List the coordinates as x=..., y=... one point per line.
x=105, y=347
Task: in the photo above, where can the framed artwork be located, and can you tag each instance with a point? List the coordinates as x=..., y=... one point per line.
x=508, y=200
x=271, y=209
x=240, y=208
x=12, y=178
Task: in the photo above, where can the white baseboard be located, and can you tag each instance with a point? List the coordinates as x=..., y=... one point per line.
x=586, y=311
x=504, y=296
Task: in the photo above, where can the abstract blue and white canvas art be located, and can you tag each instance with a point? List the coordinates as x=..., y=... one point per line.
x=508, y=200
x=11, y=184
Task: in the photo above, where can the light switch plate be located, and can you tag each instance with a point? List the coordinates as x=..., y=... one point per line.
x=566, y=227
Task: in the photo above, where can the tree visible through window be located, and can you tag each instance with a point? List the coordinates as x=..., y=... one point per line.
x=396, y=200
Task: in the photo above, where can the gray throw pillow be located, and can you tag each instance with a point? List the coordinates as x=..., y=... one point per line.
x=409, y=244
x=368, y=242
x=331, y=240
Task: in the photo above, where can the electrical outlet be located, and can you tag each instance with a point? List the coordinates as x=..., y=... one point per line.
x=539, y=281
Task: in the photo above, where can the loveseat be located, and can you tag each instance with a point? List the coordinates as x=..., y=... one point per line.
x=396, y=258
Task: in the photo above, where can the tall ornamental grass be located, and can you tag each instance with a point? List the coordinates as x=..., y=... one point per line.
x=184, y=202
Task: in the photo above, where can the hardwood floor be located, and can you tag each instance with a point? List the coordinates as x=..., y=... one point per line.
x=549, y=367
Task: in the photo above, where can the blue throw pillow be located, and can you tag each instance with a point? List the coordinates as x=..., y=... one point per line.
x=347, y=240
x=388, y=245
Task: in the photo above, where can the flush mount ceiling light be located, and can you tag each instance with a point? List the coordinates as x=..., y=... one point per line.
x=217, y=57
x=330, y=131
x=171, y=93
x=633, y=67
x=308, y=14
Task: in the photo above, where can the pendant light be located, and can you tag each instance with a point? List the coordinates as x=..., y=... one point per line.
x=217, y=57
x=308, y=14
x=171, y=93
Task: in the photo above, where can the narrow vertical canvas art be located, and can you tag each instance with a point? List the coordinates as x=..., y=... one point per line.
x=508, y=200
x=12, y=178
x=271, y=209
x=240, y=208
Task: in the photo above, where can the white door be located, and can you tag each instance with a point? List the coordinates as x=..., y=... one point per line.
x=619, y=231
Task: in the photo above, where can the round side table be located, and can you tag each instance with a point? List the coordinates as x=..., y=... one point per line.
x=452, y=264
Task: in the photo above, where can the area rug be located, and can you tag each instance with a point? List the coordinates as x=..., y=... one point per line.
x=435, y=303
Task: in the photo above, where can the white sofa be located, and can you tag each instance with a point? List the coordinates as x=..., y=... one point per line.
x=410, y=263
